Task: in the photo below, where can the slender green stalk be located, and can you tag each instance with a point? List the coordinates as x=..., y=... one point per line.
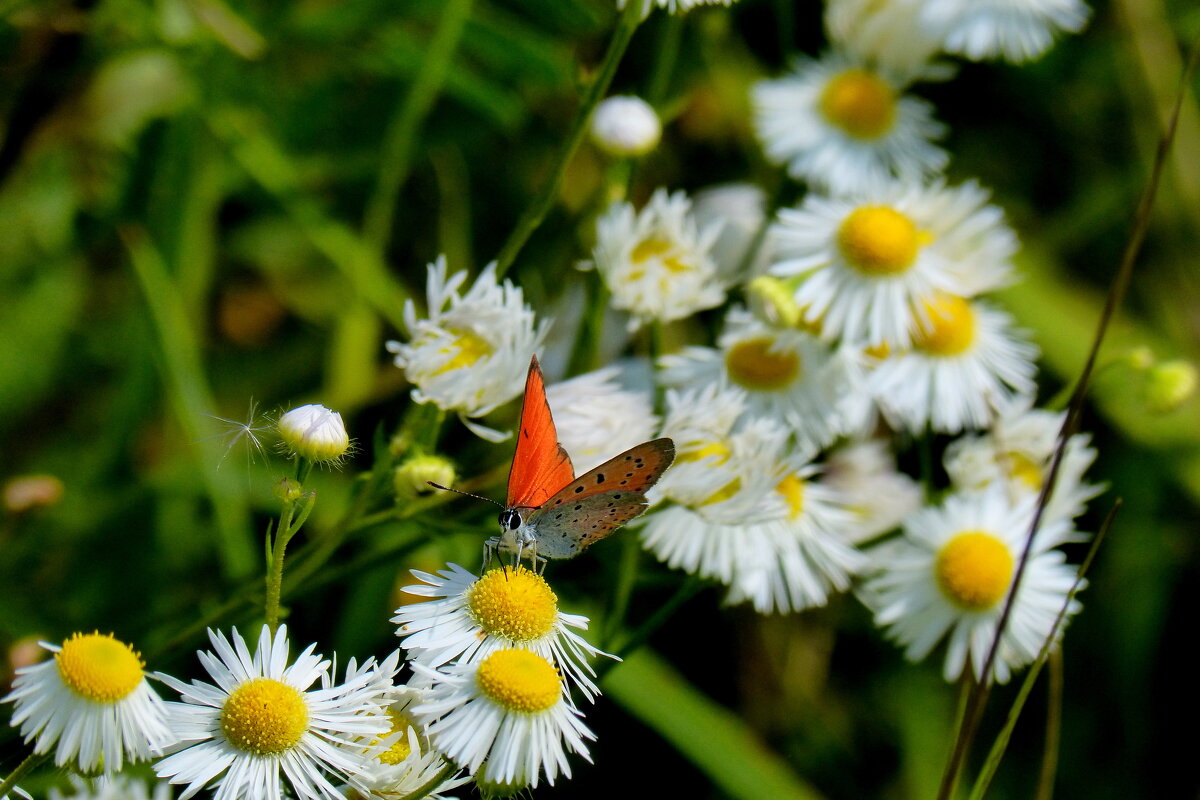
x=31, y=761
x=627, y=571
x=1045, y=789
x=1014, y=712
x=183, y=375
x=540, y=206
x=401, y=136
x=1116, y=292
x=685, y=592
x=665, y=57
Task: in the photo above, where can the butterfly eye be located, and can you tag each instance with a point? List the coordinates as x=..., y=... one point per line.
x=510, y=520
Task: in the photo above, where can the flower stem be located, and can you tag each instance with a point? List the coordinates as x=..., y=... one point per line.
x=537, y=210
x=26, y=766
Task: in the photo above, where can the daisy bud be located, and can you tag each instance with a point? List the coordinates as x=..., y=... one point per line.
x=625, y=126
x=1169, y=385
x=288, y=490
x=772, y=301
x=315, y=433
x=412, y=478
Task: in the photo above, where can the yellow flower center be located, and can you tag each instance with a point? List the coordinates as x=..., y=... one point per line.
x=400, y=749
x=949, y=329
x=1024, y=469
x=792, y=489
x=879, y=241
x=99, y=668
x=519, y=680
x=514, y=604
x=879, y=351
x=264, y=716
x=654, y=247
x=755, y=366
x=469, y=347
x=719, y=450
x=859, y=103
x=974, y=570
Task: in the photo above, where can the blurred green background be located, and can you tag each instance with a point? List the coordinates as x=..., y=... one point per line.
x=205, y=203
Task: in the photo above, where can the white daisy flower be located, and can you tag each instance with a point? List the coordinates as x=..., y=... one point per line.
x=886, y=33
x=968, y=363
x=787, y=374
x=407, y=764
x=867, y=261
x=879, y=495
x=625, y=126
x=507, y=714
x=1017, y=30
x=597, y=419
x=471, y=354
x=745, y=514
x=656, y=262
x=740, y=209
x=111, y=787
x=466, y=618
x=262, y=724
x=841, y=126
x=91, y=704
x=1016, y=452
x=950, y=575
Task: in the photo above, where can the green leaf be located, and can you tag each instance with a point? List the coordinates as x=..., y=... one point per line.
x=712, y=737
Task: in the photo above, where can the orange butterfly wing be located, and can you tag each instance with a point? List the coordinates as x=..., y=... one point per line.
x=540, y=466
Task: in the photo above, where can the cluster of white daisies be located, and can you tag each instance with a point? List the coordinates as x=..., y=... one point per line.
x=492, y=671
x=866, y=319
x=866, y=322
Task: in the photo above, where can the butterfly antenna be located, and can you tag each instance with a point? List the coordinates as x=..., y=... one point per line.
x=460, y=491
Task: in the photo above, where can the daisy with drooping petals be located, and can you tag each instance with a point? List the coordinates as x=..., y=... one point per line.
x=843, y=127
x=468, y=617
x=886, y=33
x=1017, y=30
x=967, y=364
x=507, y=713
x=597, y=419
x=470, y=355
x=91, y=704
x=262, y=724
x=786, y=373
x=406, y=764
x=876, y=493
x=656, y=262
x=739, y=209
x=743, y=512
x=867, y=261
x=1016, y=453
x=951, y=573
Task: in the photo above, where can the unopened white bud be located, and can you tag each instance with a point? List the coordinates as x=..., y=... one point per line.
x=625, y=126
x=315, y=433
x=412, y=478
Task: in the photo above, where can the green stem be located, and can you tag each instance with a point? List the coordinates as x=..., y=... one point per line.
x=537, y=210
x=275, y=568
x=626, y=578
x=31, y=761
x=400, y=139
x=431, y=785
x=685, y=592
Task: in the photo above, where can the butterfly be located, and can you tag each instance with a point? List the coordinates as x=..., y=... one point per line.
x=549, y=512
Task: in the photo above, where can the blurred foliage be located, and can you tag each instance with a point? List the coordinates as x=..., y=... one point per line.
x=205, y=203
